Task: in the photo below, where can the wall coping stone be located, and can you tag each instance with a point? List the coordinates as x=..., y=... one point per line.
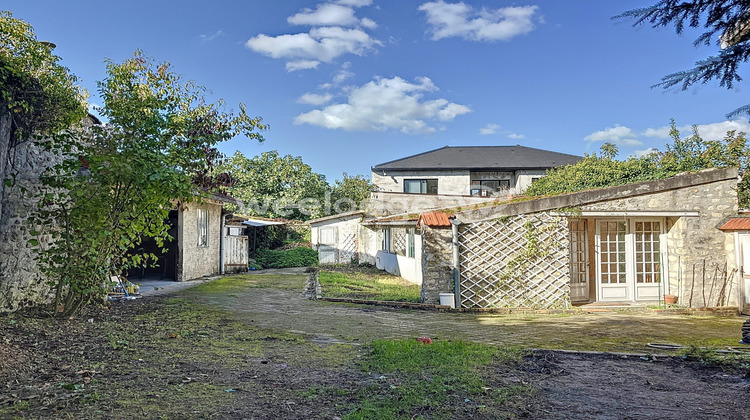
x=576, y=199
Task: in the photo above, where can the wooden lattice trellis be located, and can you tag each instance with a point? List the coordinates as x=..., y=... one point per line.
x=488, y=250
x=398, y=240
x=348, y=248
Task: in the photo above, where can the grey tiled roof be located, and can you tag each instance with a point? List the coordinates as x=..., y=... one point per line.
x=481, y=158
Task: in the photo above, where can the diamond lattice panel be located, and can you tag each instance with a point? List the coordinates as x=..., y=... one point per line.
x=486, y=249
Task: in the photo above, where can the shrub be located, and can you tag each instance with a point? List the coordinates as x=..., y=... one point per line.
x=296, y=257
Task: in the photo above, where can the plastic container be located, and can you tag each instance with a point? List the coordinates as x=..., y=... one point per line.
x=448, y=299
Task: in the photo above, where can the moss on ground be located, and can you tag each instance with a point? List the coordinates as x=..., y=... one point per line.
x=368, y=285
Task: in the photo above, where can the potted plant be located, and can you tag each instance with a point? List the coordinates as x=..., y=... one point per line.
x=670, y=299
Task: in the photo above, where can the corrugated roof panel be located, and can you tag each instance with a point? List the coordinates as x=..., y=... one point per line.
x=736, y=223
x=435, y=219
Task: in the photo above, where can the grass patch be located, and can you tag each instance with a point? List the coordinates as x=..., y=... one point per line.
x=241, y=282
x=368, y=285
x=440, y=380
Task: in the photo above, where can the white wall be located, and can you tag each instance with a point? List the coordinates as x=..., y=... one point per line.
x=449, y=182
x=454, y=182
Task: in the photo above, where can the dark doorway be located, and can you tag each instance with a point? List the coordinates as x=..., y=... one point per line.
x=165, y=268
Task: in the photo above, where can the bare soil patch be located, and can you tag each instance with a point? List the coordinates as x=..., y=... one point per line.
x=260, y=350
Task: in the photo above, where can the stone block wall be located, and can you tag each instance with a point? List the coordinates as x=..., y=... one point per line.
x=692, y=240
x=21, y=282
x=437, y=263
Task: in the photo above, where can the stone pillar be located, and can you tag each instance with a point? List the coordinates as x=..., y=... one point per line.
x=437, y=263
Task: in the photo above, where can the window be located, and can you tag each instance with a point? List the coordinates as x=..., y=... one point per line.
x=385, y=244
x=202, y=227
x=410, y=243
x=421, y=186
x=485, y=188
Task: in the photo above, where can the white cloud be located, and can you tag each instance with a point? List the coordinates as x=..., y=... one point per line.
x=368, y=23
x=315, y=99
x=384, y=104
x=644, y=152
x=342, y=75
x=489, y=129
x=301, y=65
x=210, y=37
x=327, y=14
x=320, y=44
x=714, y=131
x=717, y=131
x=355, y=3
x=335, y=31
x=461, y=20
x=516, y=136
x=661, y=132
x=618, y=134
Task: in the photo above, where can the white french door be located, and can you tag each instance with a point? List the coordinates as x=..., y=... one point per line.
x=579, y=261
x=628, y=259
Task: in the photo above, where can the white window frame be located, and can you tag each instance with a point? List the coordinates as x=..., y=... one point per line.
x=202, y=226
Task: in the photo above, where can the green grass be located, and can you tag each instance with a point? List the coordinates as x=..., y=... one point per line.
x=443, y=380
x=366, y=285
x=245, y=281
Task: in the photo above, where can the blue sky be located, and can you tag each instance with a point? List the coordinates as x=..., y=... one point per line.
x=348, y=84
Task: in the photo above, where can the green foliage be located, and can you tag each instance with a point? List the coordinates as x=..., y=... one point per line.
x=38, y=93
x=368, y=284
x=682, y=155
x=438, y=378
x=725, y=23
x=295, y=257
x=119, y=181
x=348, y=193
x=277, y=186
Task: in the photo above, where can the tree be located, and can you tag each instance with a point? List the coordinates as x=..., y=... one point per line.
x=119, y=180
x=726, y=22
x=37, y=94
x=271, y=185
x=682, y=155
x=350, y=192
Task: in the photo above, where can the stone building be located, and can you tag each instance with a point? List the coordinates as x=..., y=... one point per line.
x=198, y=230
x=624, y=244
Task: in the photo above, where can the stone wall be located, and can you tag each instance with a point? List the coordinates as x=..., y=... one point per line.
x=21, y=282
x=437, y=263
x=691, y=240
x=197, y=261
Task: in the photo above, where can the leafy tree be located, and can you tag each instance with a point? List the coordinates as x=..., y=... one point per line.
x=350, y=192
x=682, y=155
x=725, y=22
x=37, y=94
x=271, y=185
x=119, y=180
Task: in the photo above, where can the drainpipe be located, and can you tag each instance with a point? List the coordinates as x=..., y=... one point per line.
x=456, y=272
x=222, y=244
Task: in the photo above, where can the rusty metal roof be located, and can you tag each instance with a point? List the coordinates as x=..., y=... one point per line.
x=434, y=219
x=736, y=223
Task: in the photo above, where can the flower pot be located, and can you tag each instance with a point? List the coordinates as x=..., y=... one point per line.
x=670, y=299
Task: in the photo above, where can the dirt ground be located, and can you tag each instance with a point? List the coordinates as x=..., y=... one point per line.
x=258, y=349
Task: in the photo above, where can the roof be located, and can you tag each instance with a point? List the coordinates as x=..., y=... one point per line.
x=434, y=219
x=260, y=222
x=736, y=223
x=481, y=158
x=341, y=216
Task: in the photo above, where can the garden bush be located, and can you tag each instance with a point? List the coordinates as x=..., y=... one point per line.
x=295, y=257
